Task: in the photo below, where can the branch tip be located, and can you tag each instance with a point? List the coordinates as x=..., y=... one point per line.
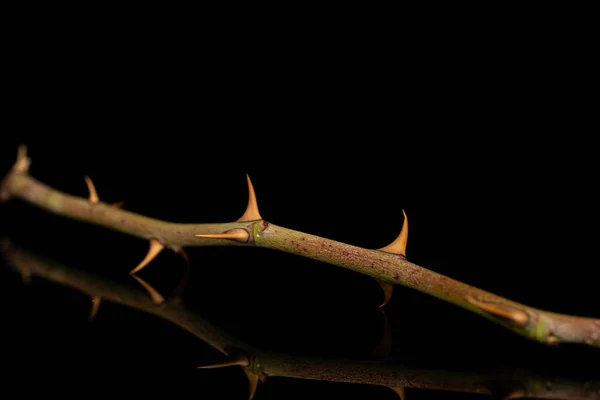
x=93, y=197
x=155, y=248
x=398, y=246
x=251, y=213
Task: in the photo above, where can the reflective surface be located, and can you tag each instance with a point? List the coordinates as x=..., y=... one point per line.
x=512, y=233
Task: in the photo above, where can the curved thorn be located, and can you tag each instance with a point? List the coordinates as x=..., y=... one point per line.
x=240, y=360
x=252, y=383
x=23, y=162
x=237, y=234
x=95, y=306
x=400, y=392
x=93, y=198
x=251, y=213
x=178, y=291
x=517, y=317
x=384, y=347
x=155, y=248
x=156, y=297
x=388, y=289
x=118, y=204
x=398, y=246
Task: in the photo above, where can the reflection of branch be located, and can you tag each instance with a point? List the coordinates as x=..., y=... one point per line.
x=388, y=264
x=508, y=383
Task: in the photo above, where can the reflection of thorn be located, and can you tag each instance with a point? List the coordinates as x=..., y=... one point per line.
x=388, y=289
x=251, y=213
x=93, y=198
x=237, y=234
x=398, y=246
x=517, y=317
x=154, y=295
x=178, y=291
x=155, y=247
x=252, y=382
x=240, y=360
x=400, y=392
x=95, y=306
x=384, y=347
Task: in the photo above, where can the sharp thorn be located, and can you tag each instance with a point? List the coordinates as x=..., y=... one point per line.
x=388, y=289
x=119, y=204
x=237, y=234
x=398, y=246
x=155, y=248
x=93, y=198
x=23, y=162
x=251, y=213
x=400, y=392
x=156, y=297
x=95, y=306
x=252, y=383
x=240, y=360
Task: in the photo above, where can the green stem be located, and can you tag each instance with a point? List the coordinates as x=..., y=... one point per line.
x=522, y=384
x=542, y=326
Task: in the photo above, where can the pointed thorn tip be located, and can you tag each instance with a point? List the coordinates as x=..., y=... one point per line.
x=93, y=195
x=251, y=213
x=398, y=246
x=237, y=234
x=155, y=248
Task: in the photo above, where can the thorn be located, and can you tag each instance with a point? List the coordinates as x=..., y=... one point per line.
x=240, y=360
x=237, y=234
x=93, y=198
x=400, y=392
x=95, y=306
x=154, y=295
x=155, y=248
x=388, y=289
x=23, y=162
x=384, y=348
x=398, y=246
x=181, y=251
x=517, y=317
x=251, y=213
x=119, y=204
x=252, y=383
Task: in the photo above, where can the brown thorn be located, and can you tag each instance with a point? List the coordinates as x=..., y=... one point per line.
x=95, y=306
x=398, y=246
x=251, y=213
x=400, y=392
x=118, y=204
x=517, y=317
x=93, y=198
x=252, y=383
x=23, y=162
x=388, y=289
x=155, y=247
x=384, y=347
x=156, y=297
x=178, y=291
x=237, y=234
x=240, y=360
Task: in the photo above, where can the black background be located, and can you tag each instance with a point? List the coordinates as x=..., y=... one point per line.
x=488, y=149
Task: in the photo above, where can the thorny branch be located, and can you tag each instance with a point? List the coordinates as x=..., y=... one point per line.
x=387, y=265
